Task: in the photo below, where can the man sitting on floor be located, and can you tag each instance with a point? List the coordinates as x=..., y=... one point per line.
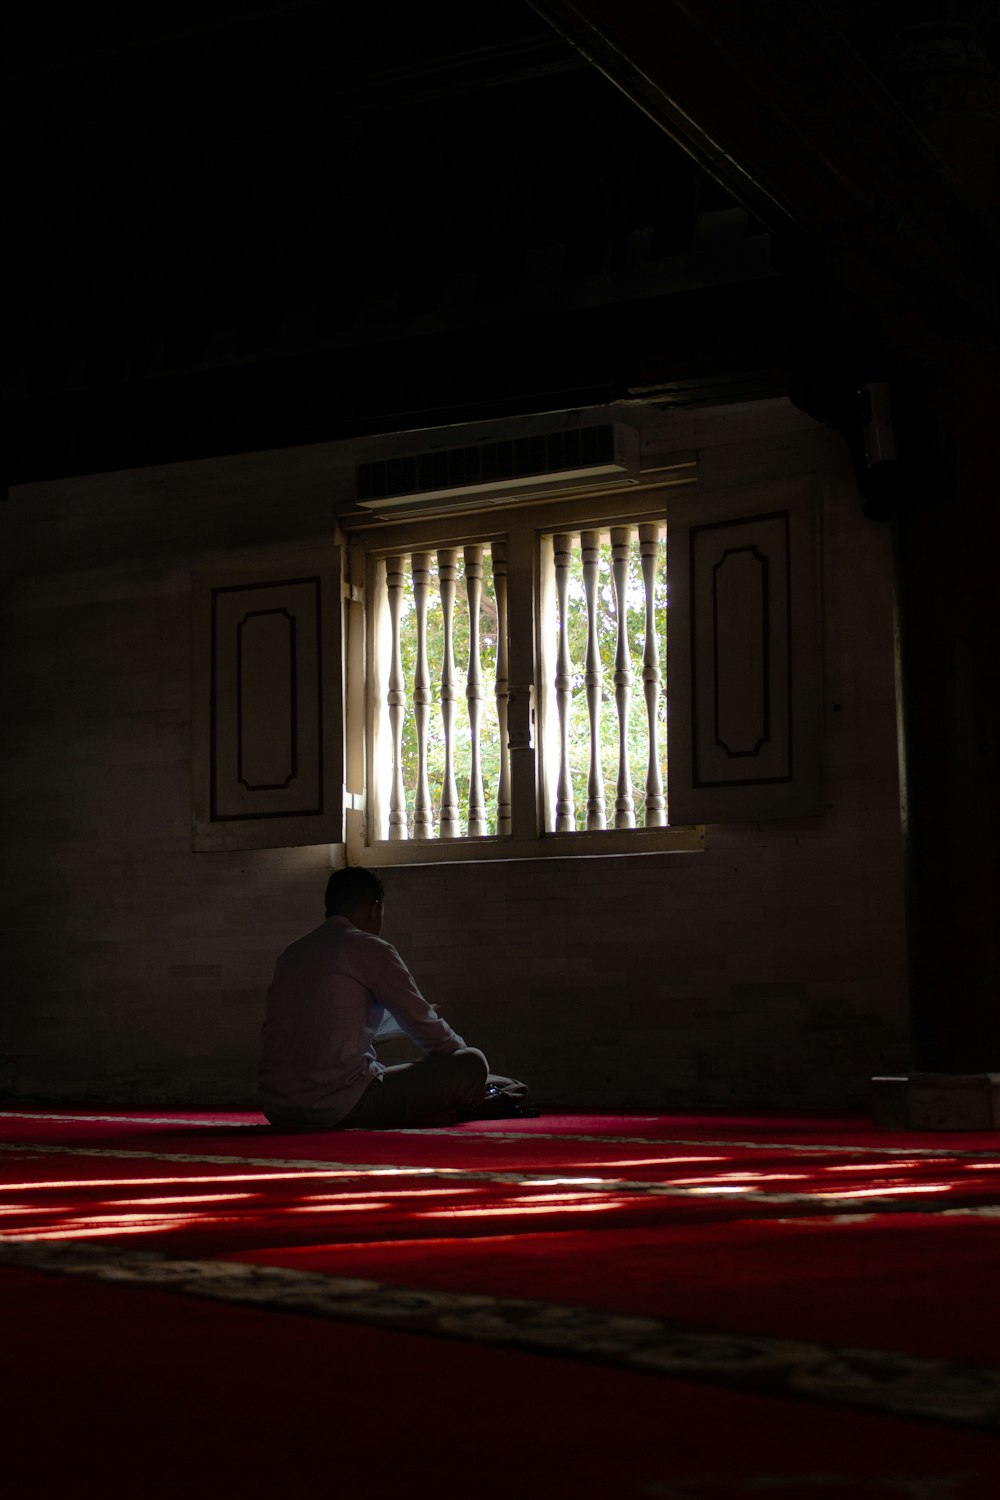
x=328, y=995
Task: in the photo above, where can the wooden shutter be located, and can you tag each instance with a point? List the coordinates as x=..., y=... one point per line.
x=268, y=722
x=743, y=652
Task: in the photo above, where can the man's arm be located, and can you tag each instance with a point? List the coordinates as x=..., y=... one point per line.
x=394, y=986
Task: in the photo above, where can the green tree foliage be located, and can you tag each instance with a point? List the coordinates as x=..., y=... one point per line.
x=489, y=731
x=579, y=722
x=637, y=737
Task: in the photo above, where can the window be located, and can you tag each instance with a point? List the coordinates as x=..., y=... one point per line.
x=362, y=694
x=514, y=697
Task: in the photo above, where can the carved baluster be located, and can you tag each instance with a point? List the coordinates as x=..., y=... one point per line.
x=656, y=803
x=451, y=826
x=423, y=812
x=594, y=677
x=565, y=811
x=499, y=554
x=395, y=578
x=474, y=690
x=624, y=808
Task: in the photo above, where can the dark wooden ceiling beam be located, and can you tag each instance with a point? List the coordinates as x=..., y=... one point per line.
x=775, y=102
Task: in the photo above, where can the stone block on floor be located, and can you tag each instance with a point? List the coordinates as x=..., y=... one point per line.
x=937, y=1101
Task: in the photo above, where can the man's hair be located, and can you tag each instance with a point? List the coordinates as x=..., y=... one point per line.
x=348, y=889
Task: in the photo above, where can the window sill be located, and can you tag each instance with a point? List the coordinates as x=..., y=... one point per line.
x=684, y=839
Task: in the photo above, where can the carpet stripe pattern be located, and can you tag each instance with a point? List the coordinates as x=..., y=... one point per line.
x=902, y=1385
x=913, y=1196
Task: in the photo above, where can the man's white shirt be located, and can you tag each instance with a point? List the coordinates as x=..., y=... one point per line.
x=329, y=993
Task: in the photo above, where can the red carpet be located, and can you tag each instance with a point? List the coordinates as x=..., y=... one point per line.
x=143, y=1394
x=820, y=1231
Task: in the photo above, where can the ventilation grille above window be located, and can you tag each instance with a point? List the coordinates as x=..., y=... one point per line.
x=480, y=473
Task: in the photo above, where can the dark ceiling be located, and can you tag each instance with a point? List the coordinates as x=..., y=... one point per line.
x=280, y=223
x=217, y=172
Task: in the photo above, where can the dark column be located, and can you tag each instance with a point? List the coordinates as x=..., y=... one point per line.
x=947, y=551
x=948, y=571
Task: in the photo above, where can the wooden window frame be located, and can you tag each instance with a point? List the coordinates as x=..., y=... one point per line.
x=522, y=525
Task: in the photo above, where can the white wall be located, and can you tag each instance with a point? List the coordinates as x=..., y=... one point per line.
x=767, y=970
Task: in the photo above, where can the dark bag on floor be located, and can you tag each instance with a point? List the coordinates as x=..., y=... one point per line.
x=506, y=1099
